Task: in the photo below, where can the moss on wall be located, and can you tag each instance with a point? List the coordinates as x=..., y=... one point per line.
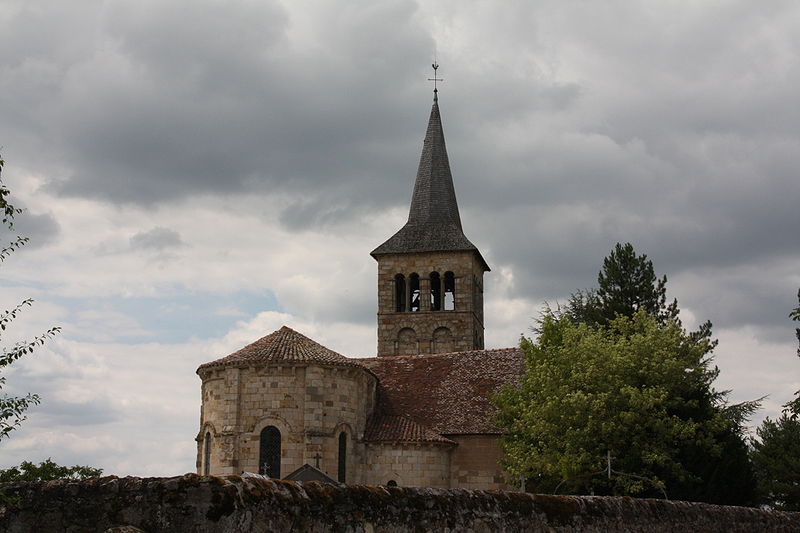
x=192, y=503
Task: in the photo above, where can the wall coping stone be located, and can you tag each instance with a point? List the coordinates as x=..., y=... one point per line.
x=193, y=503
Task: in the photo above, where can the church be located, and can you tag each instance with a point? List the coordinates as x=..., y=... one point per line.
x=418, y=414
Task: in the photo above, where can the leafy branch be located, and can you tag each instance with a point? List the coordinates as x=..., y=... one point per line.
x=12, y=408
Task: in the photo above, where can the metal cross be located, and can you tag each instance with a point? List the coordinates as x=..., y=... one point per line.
x=317, y=457
x=434, y=79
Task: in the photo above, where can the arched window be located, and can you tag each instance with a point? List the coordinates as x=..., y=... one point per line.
x=449, y=291
x=391, y=483
x=342, y=457
x=442, y=340
x=436, y=292
x=269, y=456
x=407, y=342
x=413, y=281
x=207, y=454
x=399, y=293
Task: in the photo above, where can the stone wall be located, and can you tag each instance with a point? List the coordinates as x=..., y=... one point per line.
x=194, y=504
x=409, y=464
x=475, y=462
x=309, y=404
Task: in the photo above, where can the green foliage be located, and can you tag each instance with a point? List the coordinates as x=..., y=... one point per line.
x=588, y=390
x=776, y=458
x=795, y=315
x=793, y=407
x=12, y=408
x=615, y=371
x=47, y=471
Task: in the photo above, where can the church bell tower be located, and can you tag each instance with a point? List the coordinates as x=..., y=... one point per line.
x=430, y=276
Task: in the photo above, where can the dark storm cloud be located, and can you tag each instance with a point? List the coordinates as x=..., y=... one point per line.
x=169, y=101
x=570, y=126
x=40, y=229
x=678, y=136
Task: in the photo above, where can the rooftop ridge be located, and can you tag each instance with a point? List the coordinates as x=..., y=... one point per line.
x=283, y=346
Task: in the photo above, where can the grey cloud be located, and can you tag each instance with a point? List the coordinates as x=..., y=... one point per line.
x=95, y=411
x=214, y=100
x=570, y=126
x=40, y=229
x=673, y=129
x=158, y=238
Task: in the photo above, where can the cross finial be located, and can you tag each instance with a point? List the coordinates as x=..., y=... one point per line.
x=317, y=457
x=435, y=79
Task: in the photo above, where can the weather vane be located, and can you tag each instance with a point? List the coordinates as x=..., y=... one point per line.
x=435, y=79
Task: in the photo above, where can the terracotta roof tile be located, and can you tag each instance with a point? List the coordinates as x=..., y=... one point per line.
x=447, y=393
x=387, y=428
x=282, y=346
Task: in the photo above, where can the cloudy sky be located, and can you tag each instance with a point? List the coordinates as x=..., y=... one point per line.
x=198, y=173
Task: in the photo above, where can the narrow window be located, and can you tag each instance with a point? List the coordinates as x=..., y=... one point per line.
x=269, y=457
x=436, y=292
x=413, y=281
x=342, y=457
x=399, y=293
x=207, y=454
x=449, y=291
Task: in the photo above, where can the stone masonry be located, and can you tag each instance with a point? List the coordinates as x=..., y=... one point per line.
x=463, y=324
x=309, y=404
x=195, y=504
x=409, y=464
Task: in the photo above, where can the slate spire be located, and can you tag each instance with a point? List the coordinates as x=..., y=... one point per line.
x=434, y=197
x=434, y=223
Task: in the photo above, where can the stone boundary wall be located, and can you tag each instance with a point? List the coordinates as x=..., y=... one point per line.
x=192, y=503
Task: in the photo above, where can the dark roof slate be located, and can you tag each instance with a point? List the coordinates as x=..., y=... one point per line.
x=434, y=223
x=282, y=346
x=388, y=428
x=310, y=473
x=446, y=393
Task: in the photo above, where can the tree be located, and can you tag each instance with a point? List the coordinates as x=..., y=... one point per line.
x=636, y=388
x=627, y=283
x=776, y=458
x=47, y=471
x=12, y=408
x=795, y=315
x=715, y=468
x=793, y=406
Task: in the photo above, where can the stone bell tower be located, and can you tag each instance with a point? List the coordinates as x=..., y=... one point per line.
x=430, y=276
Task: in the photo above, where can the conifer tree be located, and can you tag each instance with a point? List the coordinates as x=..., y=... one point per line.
x=792, y=408
x=776, y=458
x=626, y=284
x=795, y=315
